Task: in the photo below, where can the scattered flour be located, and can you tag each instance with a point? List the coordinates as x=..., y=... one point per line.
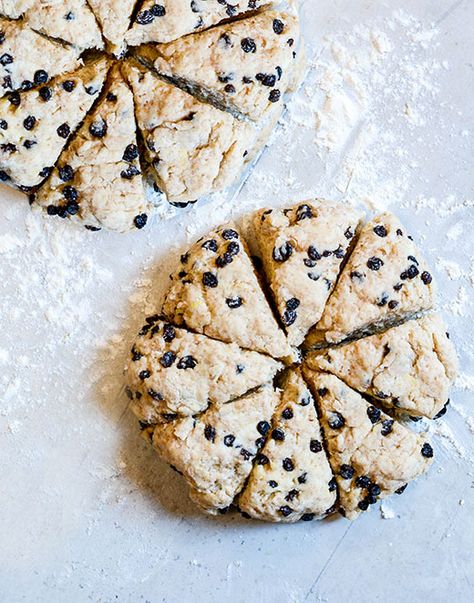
x=4, y=356
x=9, y=243
x=349, y=76
x=449, y=439
x=387, y=512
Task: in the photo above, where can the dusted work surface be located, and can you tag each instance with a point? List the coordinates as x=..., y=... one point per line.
x=89, y=512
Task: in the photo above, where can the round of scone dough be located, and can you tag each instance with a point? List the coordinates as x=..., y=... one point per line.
x=172, y=19
x=215, y=291
x=29, y=59
x=409, y=368
x=214, y=451
x=71, y=21
x=323, y=447
x=245, y=66
x=34, y=131
x=384, y=283
x=188, y=144
x=172, y=371
x=303, y=248
x=291, y=479
x=371, y=454
x=97, y=180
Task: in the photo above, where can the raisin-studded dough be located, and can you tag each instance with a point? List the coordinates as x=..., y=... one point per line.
x=29, y=59
x=97, y=180
x=244, y=67
x=174, y=371
x=34, y=132
x=193, y=148
x=14, y=8
x=215, y=450
x=215, y=291
x=302, y=248
x=385, y=282
x=172, y=19
x=410, y=368
x=113, y=17
x=372, y=455
x=69, y=20
x=291, y=478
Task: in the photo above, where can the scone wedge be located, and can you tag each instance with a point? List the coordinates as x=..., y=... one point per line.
x=244, y=67
x=192, y=148
x=409, y=368
x=29, y=59
x=215, y=450
x=98, y=180
x=71, y=21
x=372, y=455
x=34, y=131
x=384, y=283
x=173, y=19
x=174, y=372
x=291, y=479
x=215, y=291
x=113, y=17
x=303, y=248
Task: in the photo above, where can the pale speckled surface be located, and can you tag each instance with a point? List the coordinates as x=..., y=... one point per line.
x=89, y=513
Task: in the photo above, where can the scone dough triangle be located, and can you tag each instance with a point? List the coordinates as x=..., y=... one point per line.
x=113, y=17
x=34, y=131
x=244, y=67
x=291, y=479
x=172, y=371
x=215, y=291
x=384, y=283
x=97, y=180
x=303, y=248
x=192, y=148
x=29, y=59
x=215, y=450
x=172, y=19
x=69, y=20
x=408, y=368
x=372, y=455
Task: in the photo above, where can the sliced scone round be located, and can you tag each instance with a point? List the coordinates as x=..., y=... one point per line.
x=372, y=455
x=384, y=283
x=215, y=450
x=113, y=17
x=29, y=59
x=34, y=131
x=215, y=291
x=172, y=371
x=98, y=180
x=192, y=148
x=71, y=21
x=172, y=19
x=244, y=67
x=291, y=478
x=15, y=8
x=408, y=368
x=303, y=248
